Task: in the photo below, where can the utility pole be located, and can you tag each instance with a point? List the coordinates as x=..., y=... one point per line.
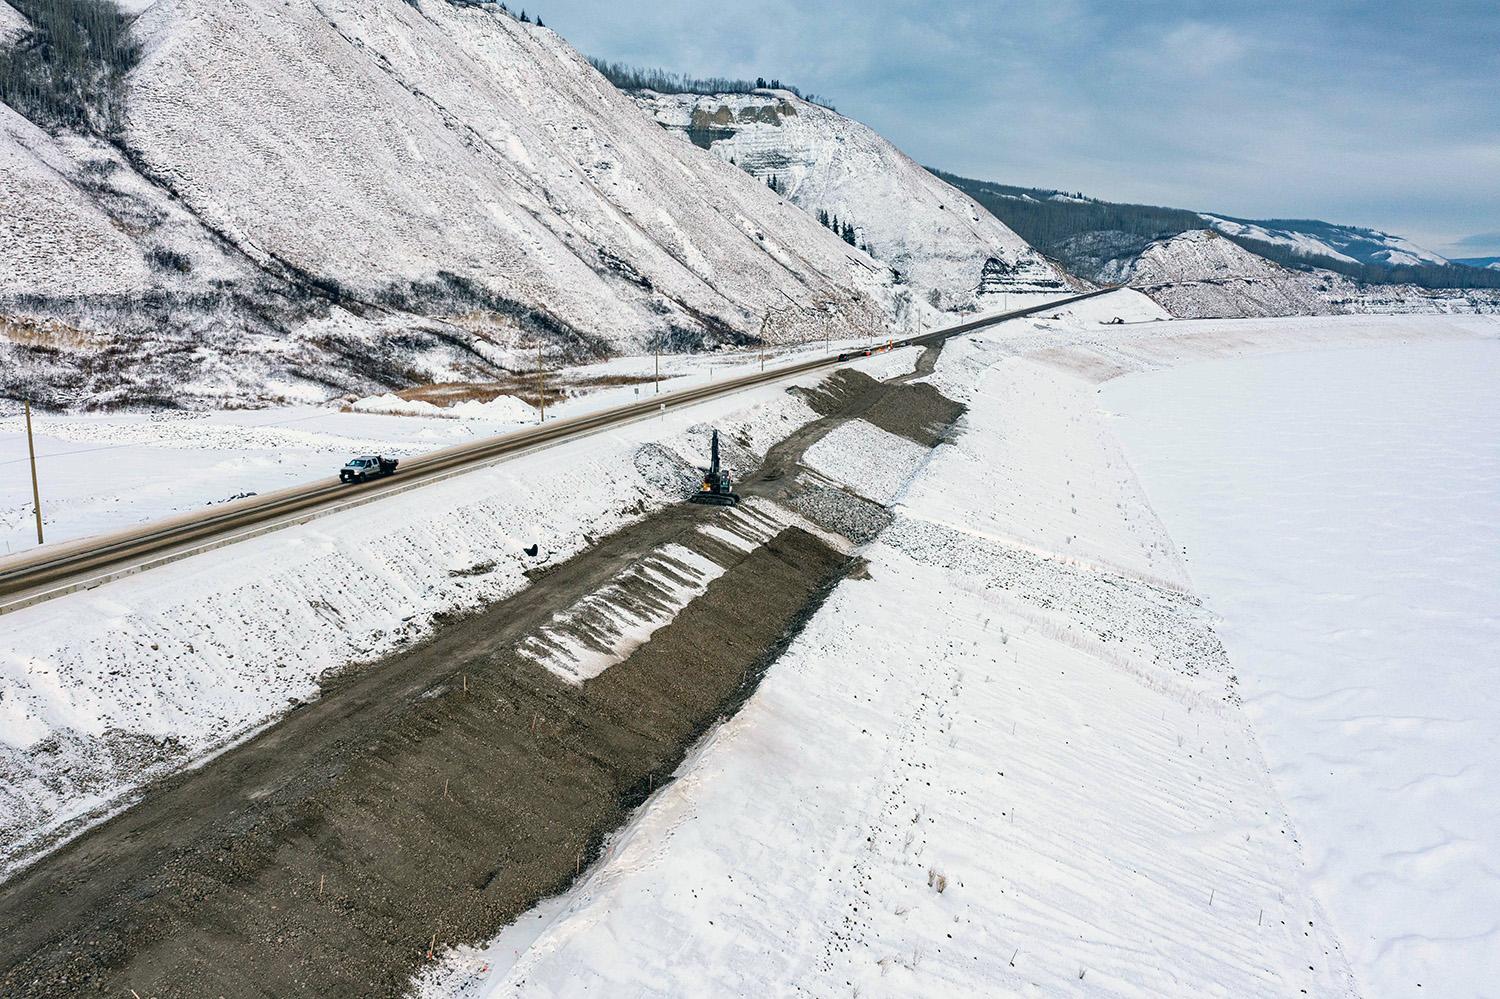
x=541, y=399
x=36, y=493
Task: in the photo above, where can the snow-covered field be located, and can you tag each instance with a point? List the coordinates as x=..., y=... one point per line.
x=1341, y=511
x=1013, y=760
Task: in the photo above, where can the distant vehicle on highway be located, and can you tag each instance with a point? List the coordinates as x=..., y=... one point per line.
x=369, y=466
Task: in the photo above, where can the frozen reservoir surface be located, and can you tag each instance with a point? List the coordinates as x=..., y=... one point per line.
x=1341, y=511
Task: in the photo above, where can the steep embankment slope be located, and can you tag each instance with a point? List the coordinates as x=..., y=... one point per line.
x=945, y=246
x=1202, y=275
x=322, y=195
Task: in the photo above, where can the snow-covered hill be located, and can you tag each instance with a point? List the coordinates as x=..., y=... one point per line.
x=944, y=245
x=11, y=22
x=1312, y=238
x=315, y=196
x=1202, y=275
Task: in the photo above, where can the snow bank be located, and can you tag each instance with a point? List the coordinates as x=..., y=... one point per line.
x=932, y=796
x=871, y=462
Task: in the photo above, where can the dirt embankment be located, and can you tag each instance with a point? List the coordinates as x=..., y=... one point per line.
x=429, y=799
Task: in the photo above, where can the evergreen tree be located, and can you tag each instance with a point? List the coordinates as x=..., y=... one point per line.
x=665, y=82
x=67, y=69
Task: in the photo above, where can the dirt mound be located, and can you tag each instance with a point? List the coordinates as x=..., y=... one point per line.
x=917, y=412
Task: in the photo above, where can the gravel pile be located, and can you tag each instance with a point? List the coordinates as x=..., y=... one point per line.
x=857, y=519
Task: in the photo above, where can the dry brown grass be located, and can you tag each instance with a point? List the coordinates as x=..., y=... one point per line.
x=555, y=388
x=45, y=333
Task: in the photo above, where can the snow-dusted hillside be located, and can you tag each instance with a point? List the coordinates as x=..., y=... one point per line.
x=323, y=195
x=948, y=248
x=11, y=22
x=1202, y=275
x=1312, y=238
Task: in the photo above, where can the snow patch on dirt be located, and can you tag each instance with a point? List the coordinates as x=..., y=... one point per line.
x=605, y=627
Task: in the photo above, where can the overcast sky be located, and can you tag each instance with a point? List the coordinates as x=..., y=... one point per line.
x=1384, y=114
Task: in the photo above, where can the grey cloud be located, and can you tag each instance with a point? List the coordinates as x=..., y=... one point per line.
x=1372, y=114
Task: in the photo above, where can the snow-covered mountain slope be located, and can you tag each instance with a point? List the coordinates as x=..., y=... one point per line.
x=323, y=195
x=11, y=22
x=1312, y=238
x=1202, y=275
x=947, y=247
x=1491, y=263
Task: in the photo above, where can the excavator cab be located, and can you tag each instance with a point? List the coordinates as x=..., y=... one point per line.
x=716, y=488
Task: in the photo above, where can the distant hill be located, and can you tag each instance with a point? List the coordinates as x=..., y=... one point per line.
x=1101, y=240
x=1204, y=274
x=941, y=246
x=1492, y=263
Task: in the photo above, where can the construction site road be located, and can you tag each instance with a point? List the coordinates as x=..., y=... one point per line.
x=55, y=570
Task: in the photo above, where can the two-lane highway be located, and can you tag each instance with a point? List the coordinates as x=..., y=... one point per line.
x=58, y=569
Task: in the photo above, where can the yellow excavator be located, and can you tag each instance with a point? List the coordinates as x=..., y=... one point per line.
x=715, y=489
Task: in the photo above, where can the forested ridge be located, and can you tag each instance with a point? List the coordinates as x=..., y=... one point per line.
x=1053, y=221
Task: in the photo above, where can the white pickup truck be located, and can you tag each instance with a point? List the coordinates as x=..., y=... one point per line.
x=369, y=466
